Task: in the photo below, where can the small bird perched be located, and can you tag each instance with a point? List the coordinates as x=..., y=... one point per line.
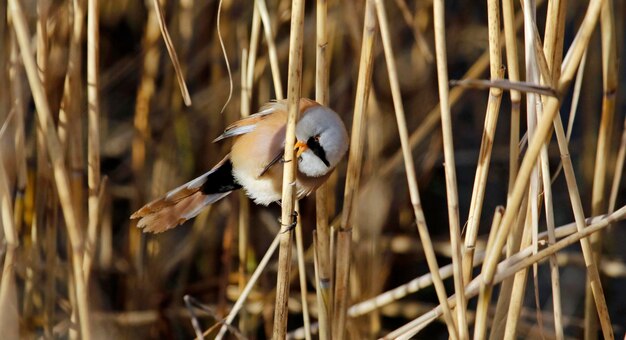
x=254, y=163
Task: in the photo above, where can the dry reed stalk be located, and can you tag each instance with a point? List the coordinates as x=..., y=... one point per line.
x=508, y=267
x=353, y=173
x=543, y=128
x=244, y=204
x=432, y=118
x=145, y=92
x=246, y=291
x=510, y=39
x=302, y=274
x=610, y=76
x=422, y=45
x=172, y=52
x=410, y=169
x=518, y=289
x=619, y=171
x=9, y=315
x=322, y=305
x=484, y=297
x=553, y=49
x=271, y=47
x=450, y=167
x=289, y=172
x=486, y=144
x=508, y=18
x=255, y=33
x=533, y=63
x=93, y=135
x=57, y=160
x=322, y=237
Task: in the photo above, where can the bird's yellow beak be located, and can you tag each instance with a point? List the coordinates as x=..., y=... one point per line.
x=300, y=147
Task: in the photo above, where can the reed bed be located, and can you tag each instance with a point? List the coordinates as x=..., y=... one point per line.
x=465, y=207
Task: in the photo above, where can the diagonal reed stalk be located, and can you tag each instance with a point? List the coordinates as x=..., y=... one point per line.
x=551, y=106
x=508, y=267
x=271, y=47
x=289, y=172
x=410, y=170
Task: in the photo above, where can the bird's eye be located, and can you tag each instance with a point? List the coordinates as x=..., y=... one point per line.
x=317, y=138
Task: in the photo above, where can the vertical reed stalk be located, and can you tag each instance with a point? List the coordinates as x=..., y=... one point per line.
x=553, y=49
x=610, y=76
x=410, y=170
x=302, y=274
x=93, y=135
x=58, y=163
x=322, y=249
x=450, y=167
x=543, y=128
x=484, y=297
x=9, y=318
x=289, y=172
x=244, y=202
x=486, y=144
x=355, y=159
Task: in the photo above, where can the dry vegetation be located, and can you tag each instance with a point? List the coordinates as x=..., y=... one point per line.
x=515, y=172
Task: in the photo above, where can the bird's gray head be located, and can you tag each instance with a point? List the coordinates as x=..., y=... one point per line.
x=322, y=141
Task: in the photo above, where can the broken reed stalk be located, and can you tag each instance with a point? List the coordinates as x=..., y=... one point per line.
x=322, y=244
x=289, y=170
x=450, y=167
x=551, y=106
x=58, y=163
x=486, y=144
x=410, y=169
x=271, y=47
x=508, y=267
x=172, y=52
x=353, y=173
x=610, y=77
x=93, y=135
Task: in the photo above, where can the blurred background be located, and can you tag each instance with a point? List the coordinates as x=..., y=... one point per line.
x=152, y=142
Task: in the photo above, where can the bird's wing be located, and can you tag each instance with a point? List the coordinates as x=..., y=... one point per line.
x=275, y=160
x=248, y=124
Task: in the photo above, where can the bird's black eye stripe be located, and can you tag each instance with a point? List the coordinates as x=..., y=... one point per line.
x=314, y=144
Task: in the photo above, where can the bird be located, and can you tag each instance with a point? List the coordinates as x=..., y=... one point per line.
x=255, y=163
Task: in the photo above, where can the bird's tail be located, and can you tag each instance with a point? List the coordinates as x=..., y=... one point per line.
x=188, y=200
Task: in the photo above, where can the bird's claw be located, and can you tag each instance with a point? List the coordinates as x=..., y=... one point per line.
x=289, y=227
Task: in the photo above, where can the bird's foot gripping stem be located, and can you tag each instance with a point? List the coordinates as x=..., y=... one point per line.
x=289, y=227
